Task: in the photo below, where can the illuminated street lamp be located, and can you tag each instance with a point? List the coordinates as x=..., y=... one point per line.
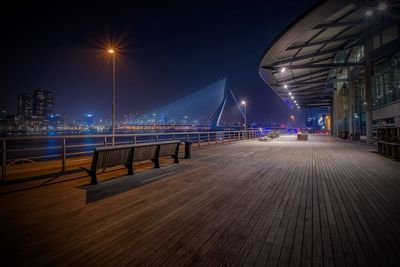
x=111, y=51
x=245, y=114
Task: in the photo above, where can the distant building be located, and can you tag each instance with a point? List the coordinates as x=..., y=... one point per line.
x=25, y=104
x=43, y=103
x=88, y=120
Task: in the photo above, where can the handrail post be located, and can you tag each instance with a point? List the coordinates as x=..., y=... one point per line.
x=208, y=138
x=198, y=140
x=157, y=137
x=216, y=138
x=105, y=141
x=187, y=137
x=3, y=160
x=134, y=139
x=223, y=137
x=64, y=156
x=173, y=136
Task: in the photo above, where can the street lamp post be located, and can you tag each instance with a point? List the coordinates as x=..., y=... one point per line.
x=245, y=114
x=112, y=53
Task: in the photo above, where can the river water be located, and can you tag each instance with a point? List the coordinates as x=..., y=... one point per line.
x=51, y=147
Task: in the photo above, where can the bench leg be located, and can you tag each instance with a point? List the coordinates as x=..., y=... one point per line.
x=130, y=169
x=93, y=178
x=156, y=162
x=176, y=158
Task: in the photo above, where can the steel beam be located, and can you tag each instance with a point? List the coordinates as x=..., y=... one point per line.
x=304, y=75
x=325, y=41
x=339, y=24
x=308, y=55
x=325, y=66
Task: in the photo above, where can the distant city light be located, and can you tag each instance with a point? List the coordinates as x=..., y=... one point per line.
x=243, y=102
x=382, y=7
x=283, y=69
x=298, y=107
x=369, y=13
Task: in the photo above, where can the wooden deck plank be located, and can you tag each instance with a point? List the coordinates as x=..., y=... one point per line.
x=321, y=202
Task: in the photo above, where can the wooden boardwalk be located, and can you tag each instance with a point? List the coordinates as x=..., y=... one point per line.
x=322, y=202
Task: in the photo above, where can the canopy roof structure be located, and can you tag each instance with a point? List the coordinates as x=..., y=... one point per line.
x=300, y=65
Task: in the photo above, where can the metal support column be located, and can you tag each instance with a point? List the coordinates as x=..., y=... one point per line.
x=350, y=103
x=368, y=90
x=4, y=161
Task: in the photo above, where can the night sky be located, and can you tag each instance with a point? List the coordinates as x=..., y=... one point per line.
x=168, y=49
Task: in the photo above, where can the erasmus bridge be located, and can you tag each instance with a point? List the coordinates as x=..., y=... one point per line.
x=203, y=107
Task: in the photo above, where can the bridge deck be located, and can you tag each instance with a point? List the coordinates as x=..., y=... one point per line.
x=321, y=202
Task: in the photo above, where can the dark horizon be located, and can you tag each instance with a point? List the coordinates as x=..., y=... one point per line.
x=167, y=51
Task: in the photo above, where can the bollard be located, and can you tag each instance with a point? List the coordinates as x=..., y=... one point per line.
x=188, y=150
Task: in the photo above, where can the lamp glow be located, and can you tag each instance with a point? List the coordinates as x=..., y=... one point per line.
x=382, y=7
x=369, y=13
x=285, y=86
x=290, y=93
x=283, y=69
x=111, y=51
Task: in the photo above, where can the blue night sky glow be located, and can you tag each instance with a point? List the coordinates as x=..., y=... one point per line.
x=167, y=50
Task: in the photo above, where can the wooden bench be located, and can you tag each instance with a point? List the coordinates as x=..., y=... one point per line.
x=104, y=157
x=153, y=151
x=302, y=136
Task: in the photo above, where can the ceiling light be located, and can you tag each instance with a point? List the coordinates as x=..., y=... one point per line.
x=382, y=7
x=369, y=13
x=285, y=86
x=283, y=69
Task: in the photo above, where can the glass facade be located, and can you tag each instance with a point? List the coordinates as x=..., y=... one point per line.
x=359, y=105
x=386, y=81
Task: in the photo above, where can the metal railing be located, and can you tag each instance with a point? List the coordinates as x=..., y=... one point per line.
x=16, y=150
